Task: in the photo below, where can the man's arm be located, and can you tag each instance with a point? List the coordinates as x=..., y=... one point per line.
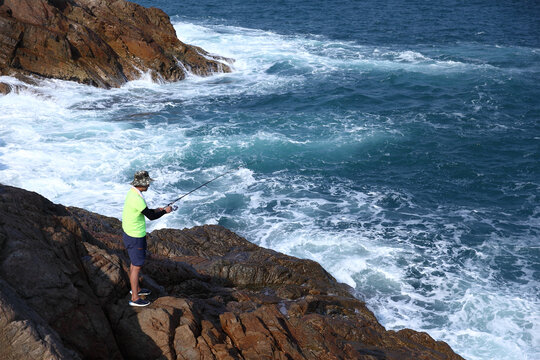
x=153, y=214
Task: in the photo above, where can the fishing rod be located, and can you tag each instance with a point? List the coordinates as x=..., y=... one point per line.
x=200, y=186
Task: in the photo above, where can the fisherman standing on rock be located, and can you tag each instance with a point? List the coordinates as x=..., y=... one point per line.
x=134, y=232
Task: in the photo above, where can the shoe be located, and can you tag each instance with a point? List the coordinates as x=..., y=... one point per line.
x=142, y=292
x=139, y=302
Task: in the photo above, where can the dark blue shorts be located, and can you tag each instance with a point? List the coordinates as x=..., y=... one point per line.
x=136, y=248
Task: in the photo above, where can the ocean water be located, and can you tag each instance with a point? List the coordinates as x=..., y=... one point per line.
x=396, y=143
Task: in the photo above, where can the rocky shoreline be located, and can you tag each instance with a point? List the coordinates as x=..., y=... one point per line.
x=103, y=43
x=64, y=291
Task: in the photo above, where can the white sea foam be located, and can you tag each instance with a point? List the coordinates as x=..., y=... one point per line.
x=254, y=50
x=458, y=305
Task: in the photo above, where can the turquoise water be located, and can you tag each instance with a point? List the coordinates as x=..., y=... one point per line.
x=396, y=145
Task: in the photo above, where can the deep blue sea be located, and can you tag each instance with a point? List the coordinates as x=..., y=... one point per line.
x=395, y=142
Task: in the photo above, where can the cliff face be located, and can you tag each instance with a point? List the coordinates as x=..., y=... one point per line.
x=64, y=294
x=98, y=42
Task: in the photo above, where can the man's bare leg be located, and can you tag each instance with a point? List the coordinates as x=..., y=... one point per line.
x=134, y=280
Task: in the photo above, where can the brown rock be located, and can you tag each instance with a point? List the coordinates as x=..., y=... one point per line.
x=41, y=260
x=98, y=42
x=24, y=334
x=216, y=296
x=106, y=274
x=220, y=253
x=5, y=88
x=147, y=333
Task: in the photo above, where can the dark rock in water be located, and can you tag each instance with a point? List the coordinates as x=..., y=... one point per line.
x=64, y=295
x=98, y=42
x=4, y=88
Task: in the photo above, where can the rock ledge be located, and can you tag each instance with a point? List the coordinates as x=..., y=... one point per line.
x=64, y=294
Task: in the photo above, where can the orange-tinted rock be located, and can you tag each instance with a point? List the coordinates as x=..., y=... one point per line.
x=98, y=42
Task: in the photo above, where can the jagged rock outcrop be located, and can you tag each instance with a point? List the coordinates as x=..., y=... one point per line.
x=64, y=293
x=98, y=42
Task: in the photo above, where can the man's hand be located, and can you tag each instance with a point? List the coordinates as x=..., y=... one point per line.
x=168, y=209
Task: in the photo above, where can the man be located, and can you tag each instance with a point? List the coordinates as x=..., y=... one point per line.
x=134, y=236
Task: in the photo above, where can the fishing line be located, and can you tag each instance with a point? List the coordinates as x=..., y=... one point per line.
x=206, y=183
